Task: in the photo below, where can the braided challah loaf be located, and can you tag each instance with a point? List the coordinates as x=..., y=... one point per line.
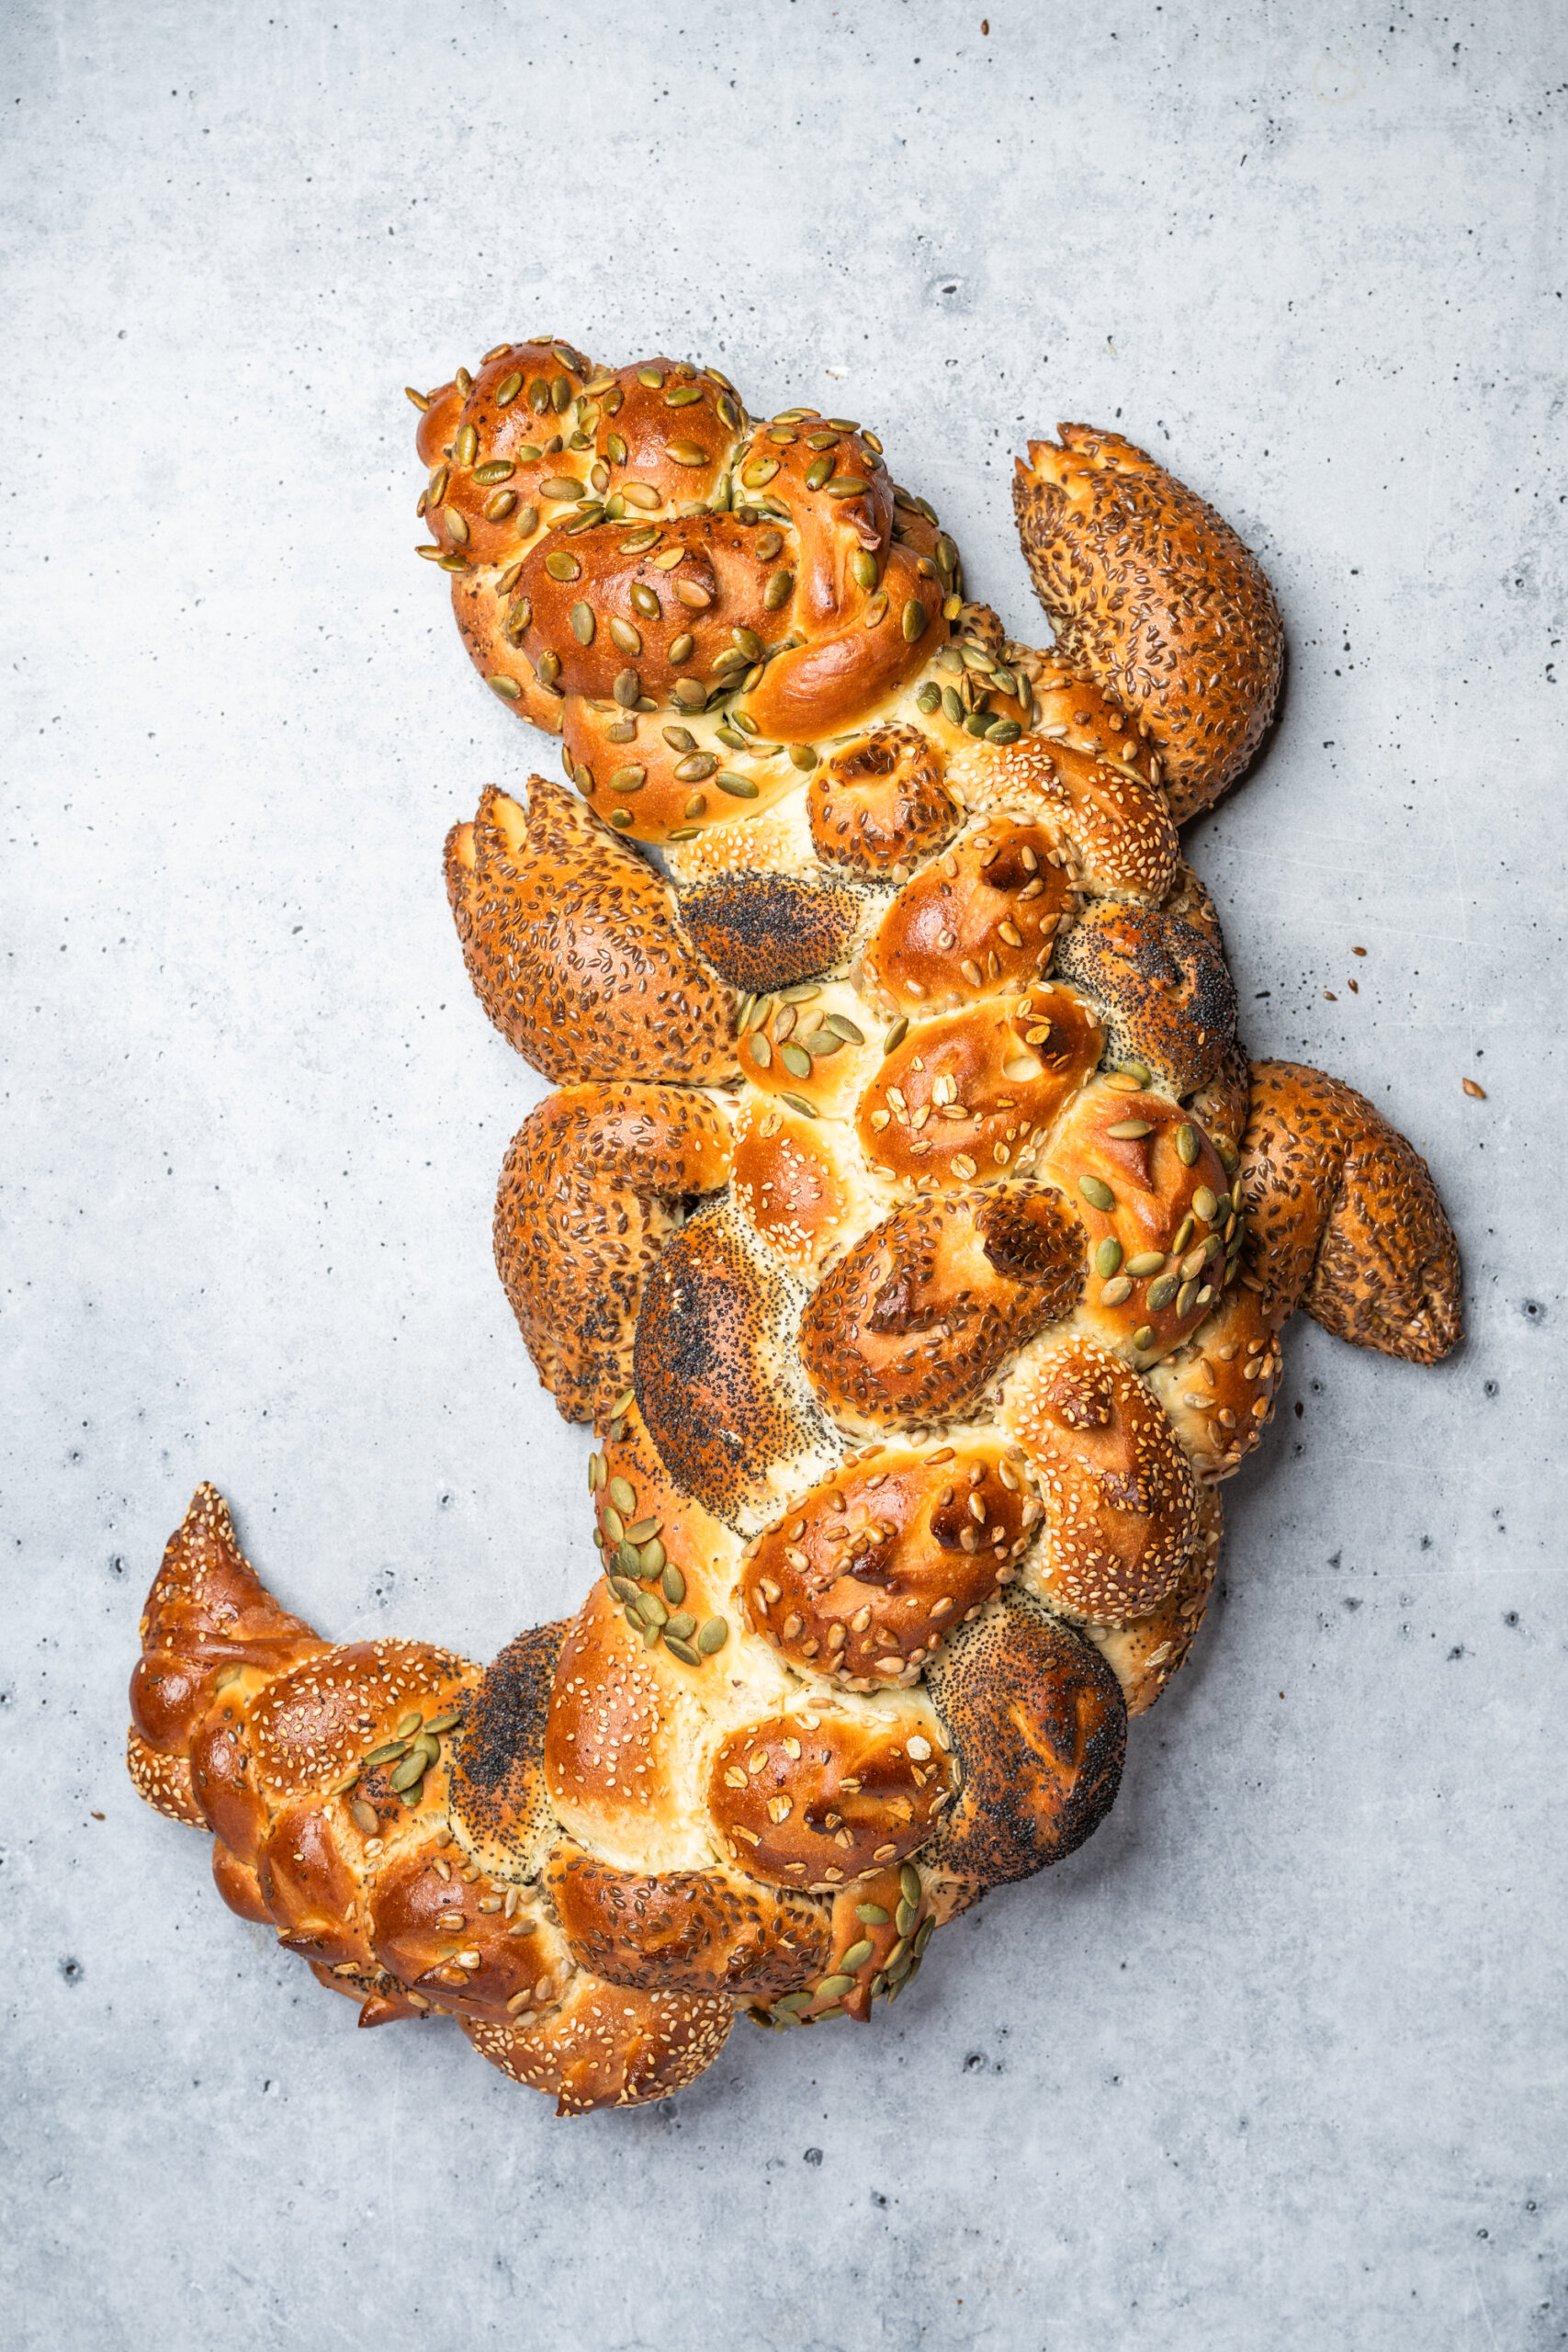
x=908, y=1223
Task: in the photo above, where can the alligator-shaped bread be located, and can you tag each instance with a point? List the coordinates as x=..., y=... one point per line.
x=908, y=1223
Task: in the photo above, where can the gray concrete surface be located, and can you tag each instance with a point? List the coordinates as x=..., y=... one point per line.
x=1277, y=2060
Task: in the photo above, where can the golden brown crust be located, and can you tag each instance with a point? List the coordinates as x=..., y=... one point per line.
x=866, y=1574
x=1038, y=1731
x=818, y=1796
x=574, y=950
x=719, y=1384
x=459, y=1942
x=614, y=599
x=1219, y=1388
x=310, y=1885
x=839, y=678
x=666, y=775
x=721, y=1782
x=320, y=1720
x=916, y=1322
x=1188, y=900
x=1084, y=767
x=690, y=1932
x=856, y=1974
x=817, y=648
x=1153, y=595
x=878, y=804
x=484, y=617
x=612, y=1746
x=1121, y=1502
x=327, y=1782
x=223, y=1776
x=381, y=1999
x=880, y=1926
x=785, y=1178
x=662, y=427
x=162, y=1780
x=237, y=1883
x=966, y=1099
x=590, y=1190
x=1157, y=1204
x=492, y=443
x=1221, y=1106
x=781, y=535
x=804, y=1049
x=208, y=1614
x=607, y=2045
x=979, y=920
x=1160, y=988
x=1346, y=1218
x=648, y=1531
x=767, y=931
x=507, y=431
x=1145, y=1653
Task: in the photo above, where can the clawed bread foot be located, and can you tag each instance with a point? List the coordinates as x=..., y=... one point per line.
x=1154, y=596
x=1346, y=1218
x=574, y=950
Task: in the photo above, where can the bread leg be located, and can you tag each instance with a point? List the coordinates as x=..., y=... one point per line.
x=1154, y=597
x=575, y=948
x=1345, y=1219
x=593, y=1187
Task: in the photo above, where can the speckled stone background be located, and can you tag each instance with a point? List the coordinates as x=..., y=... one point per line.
x=1277, y=2060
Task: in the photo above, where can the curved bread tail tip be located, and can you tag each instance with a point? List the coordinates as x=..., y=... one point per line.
x=208, y=1612
x=208, y=1603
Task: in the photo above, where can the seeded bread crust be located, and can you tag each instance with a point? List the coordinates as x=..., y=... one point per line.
x=920, y=1296
x=574, y=948
x=1154, y=596
x=1346, y=1218
x=358, y=1857
x=592, y=1191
